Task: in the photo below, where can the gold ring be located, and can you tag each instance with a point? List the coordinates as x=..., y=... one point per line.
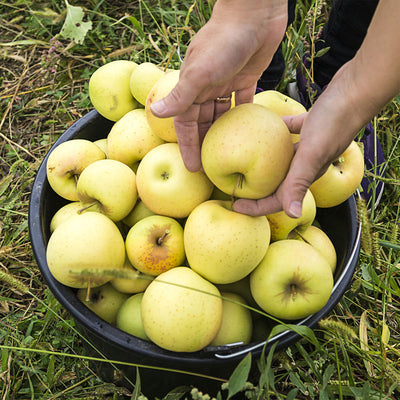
x=223, y=99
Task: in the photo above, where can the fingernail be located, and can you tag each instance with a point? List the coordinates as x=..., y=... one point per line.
x=295, y=209
x=158, y=107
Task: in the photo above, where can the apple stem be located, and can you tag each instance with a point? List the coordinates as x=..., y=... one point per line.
x=88, y=291
x=301, y=236
x=293, y=288
x=162, y=237
x=81, y=210
x=239, y=184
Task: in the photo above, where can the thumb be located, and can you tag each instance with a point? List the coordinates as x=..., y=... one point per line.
x=177, y=101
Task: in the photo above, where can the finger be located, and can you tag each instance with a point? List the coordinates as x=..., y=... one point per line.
x=221, y=108
x=206, y=119
x=294, y=122
x=187, y=132
x=256, y=208
x=245, y=95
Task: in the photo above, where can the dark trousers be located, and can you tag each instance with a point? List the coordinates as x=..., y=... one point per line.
x=343, y=33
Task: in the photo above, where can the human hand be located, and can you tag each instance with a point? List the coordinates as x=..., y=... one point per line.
x=227, y=55
x=320, y=144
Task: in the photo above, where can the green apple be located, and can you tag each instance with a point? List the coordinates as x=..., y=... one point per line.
x=64, y=213
x=222, y=245
x=143, y=78
x=162, y=127
x=247, y=151
x=66, y=162
x=237, y=324
x=138, y=212
x=240, y=287
x=181, y=311
x=89, y=243
x=218, y=194
x=166, y=186
x=102, y=144
x=131, y=138
x=136, y=282
x=320, y=240
x=293, y=280
x=341, y=179
x=104, y=301
x=155, y=244
x=281, y=224
x=109, y=89
x=279, y=103
x=108, y=186
x=129, y=317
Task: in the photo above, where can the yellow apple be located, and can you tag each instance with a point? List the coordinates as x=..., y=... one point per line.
x=105, y=301
x=222, y=245
x=87, y=243
x=237, y=324
x=341, y=179
x=139, y=211
x=131, y=138
x=108, y=186
x=166, y=186
x=279, y=103
x=162, y=127
x=155, y=244
x=102, y=143
x=293, y=280
x=64, y=213
x=281, y=224
x=181, y=311
x=129, y=317
x=109, y=89
x=136, y=282
x=247, y=151
x=320, y=240
x=66, y=162
x=143, y=78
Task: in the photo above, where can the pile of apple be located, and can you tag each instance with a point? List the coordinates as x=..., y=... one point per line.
x=157, y=250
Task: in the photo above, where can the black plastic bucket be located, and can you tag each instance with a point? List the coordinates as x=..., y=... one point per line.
x=340, y=223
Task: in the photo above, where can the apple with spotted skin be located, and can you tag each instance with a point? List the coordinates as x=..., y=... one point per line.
x=166, y=186
x=155, y=244
x=82, y=248
x=293, y=280
x=131, y=138
x=162, y=127
x=108, y=186
x=341, y=179
x=181, y=311
x=222, y=245
x=67, y=161
x=320, y=240
x=247, y=151
x=279, y=103
x=236, y=325
x=281, y=224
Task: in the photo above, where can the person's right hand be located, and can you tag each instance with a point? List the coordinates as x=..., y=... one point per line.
x=227, y=55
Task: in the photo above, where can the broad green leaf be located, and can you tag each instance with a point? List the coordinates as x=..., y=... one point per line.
x=239, y=376
x=74, y=28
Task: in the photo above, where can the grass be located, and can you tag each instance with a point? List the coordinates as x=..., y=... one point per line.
x=44, y=79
